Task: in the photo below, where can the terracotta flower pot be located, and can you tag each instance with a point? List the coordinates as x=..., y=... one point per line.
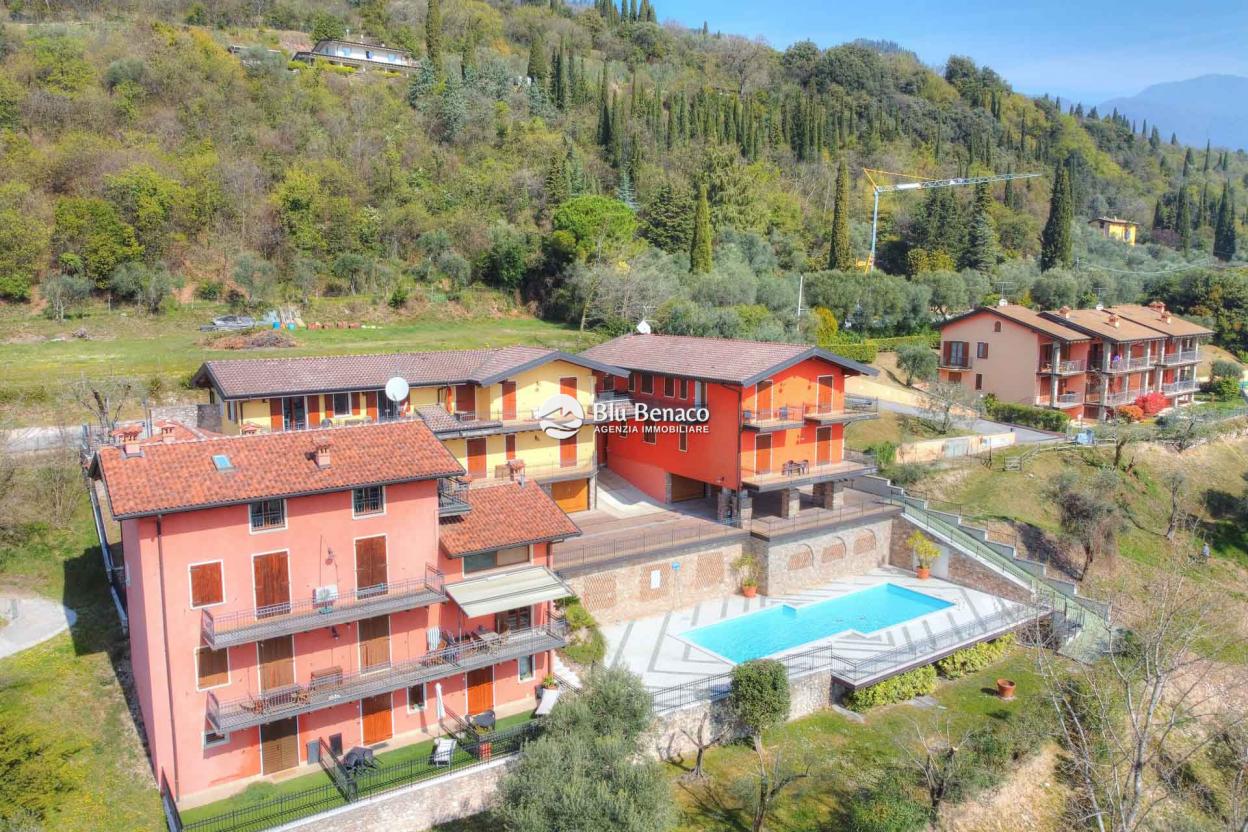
x=749, y=591
x=924, y=572
x=1005, y=689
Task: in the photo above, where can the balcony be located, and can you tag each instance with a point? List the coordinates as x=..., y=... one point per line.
x=774, y=418
x=795, y=473
x=1179, y=388
x=855, y=409
x=1175, y=359
x=554, y=472
x=1069, y=367
x=1116, y=399
x=244, y=626
x=1129, y=365
x=461, y=657
x=1061, y=400
x=450, y=497
x=955, y=362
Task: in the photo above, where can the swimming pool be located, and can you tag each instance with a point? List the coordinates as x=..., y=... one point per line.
x=780, y=628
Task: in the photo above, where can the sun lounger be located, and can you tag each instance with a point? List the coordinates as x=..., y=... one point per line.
x=443, y=751
x=549, y=697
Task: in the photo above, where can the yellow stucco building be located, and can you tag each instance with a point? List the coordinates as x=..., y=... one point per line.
x=1113, y=228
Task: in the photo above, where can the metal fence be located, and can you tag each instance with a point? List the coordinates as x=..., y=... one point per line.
x=343, y=787
x=851, y=670
x=642, y=542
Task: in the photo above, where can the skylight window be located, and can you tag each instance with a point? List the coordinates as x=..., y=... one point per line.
x=222, y=462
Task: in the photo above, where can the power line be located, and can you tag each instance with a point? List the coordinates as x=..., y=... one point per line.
x=1079, y=264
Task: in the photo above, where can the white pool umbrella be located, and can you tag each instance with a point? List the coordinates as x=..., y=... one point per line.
x=437, y=691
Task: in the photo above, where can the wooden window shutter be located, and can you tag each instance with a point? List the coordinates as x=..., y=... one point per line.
x=206, y=584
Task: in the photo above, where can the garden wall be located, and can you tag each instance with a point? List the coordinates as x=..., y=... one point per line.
x=929, y=450
x=811, y=558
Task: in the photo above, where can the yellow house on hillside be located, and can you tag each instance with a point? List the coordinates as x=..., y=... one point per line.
x=484, y=405
x=1113, y=228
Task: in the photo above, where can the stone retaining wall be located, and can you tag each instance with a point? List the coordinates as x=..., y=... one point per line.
x=790, y=565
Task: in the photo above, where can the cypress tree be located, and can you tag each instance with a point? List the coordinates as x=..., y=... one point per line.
x=1187, y=163
x=1224, y=231
x=981, y=242
x=1055, y=242
x=1174, y=139
x=700, y=239
x=667, y=221
x=604, y=111
x=1208, y=154
x=841, y=254
x=1159, y=215
x=1183, y=220
x=539, y=67
x=433, y=37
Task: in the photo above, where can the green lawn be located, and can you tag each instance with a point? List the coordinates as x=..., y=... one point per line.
x=256, y=793
x=897, y=428
x=66, y=690
x=39, y=356
x=845, y=755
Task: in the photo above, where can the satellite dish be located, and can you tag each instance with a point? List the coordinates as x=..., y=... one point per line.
x=643, y=327
x=396, y=389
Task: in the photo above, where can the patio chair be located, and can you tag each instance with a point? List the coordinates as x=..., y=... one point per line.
x=443, y=751
x=547, y=704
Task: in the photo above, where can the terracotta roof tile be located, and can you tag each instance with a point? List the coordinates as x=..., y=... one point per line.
x=180, y=476
x=1035, y=320
x=441, y=422
x=1156, y=319
x=1097, y=322
x=508, y=514
x=712, y=359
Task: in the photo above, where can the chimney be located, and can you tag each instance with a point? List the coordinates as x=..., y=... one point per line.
x=1157, y=306
x=249, y=428
x=1064, y=311
x=322, y=455
x=1113, y=319
x=131, y=447
x=166, y=433
x=1166, y=317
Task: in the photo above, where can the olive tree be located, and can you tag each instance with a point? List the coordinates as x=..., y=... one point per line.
x=917, y=362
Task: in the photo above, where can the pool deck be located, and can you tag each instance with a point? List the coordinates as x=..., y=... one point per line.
x=654, y=649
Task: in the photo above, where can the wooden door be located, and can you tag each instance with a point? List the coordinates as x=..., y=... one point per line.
x=374, y=643
x=279, y=745
x=370, y=562
x=275, y=415
x=567, y=452
x=509, y=446
x=567, y=386
x=276, y=657
x=762, y=454
x=509, y=400
x=476, y=457
x=823, y=446
x=272, y=584
x=375, y=714
x=480, y=690
x=571, y=495
x=684, y=488
x=827, y=393
x=465, y=399
x=762, y=398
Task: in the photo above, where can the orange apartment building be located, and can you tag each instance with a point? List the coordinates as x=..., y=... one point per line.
x=775, y=418
x=1087, y=362
x=293, y=592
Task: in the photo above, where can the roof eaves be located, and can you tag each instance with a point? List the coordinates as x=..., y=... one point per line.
x=552, y=538
x=812, y=352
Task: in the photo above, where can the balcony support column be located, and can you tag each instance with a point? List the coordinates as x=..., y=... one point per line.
x=830, y=495
x=790, y=502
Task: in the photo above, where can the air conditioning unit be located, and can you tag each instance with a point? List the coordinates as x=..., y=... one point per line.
x=325, y=595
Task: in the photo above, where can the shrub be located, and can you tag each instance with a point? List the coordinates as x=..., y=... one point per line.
x=918, y=682
x=398, y=298
x=210, y=290
x=1225, y=369
x=1152, y=404
x=760, y=694
x=885, y=453
x=888, y=807
x=586, y=644
x=974, y=658
x=1131, y=413
x=864, y=353
x=906, y=473
x=1027, y=415
x=1224, y=388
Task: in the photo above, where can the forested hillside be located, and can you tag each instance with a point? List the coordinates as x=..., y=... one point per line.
x=592, y=161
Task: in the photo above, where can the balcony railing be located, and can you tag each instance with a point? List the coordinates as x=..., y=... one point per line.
x=800, y=471
x=1173, y=359
x=1129, y=365
x=514, y=470
x=451, y=497
x=1060, y=400
x=852, y=409
x=955, y=363
x=1068, y=367
x=790, y=414
x=244, y=626
x=461, y=657
x=1176, y=388
x=1113, y=399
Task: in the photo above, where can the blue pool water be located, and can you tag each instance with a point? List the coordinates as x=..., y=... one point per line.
x=780, y=628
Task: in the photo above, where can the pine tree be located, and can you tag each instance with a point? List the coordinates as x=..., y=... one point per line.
x=1224, y=231
x=981, y=243
x=433, y=37
x=1187, y=163
x=556, y=181
x=1174, y=139
x=624, y=190
x=667, y=221
x=1208, y=154
x=1154, y=139
x=1055, y=242
x=841, y=253
x=1183, y=220
x=539, y=66
x=700, y=261
x=604, y=111
x=1159, y=216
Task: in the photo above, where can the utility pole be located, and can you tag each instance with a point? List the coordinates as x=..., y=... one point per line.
x=922, y=185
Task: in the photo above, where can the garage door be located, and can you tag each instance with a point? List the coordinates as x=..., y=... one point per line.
x=684, y=488
x=571, y=495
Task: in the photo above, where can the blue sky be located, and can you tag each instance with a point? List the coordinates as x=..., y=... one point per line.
x=1085, y=50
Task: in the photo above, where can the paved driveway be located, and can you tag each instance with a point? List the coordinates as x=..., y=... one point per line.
x=982, y=426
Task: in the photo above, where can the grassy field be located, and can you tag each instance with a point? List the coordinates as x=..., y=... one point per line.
x=67, y=690
x=39, y=355
x=897, y=428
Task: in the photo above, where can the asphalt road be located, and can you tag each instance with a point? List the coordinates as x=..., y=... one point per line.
x=982, y=426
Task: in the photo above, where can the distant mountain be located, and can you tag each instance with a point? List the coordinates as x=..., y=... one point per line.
x=1213, y=107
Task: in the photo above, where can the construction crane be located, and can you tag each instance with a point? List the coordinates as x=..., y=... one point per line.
x=921, y=184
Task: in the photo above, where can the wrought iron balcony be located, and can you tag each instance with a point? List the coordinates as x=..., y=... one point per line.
x=450, y=497
x=1178, y=388
x=247, y=625
x=1173, y=359
x=461, y=657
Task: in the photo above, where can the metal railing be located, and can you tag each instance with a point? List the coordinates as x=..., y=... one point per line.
x=451, y=497
x=855, y=670
x=814, y=518
x=256, y=623
x=1127, y=365
x=1061, y=399
x=1064, y=367
x=637, y=543
x=852, y=462
x=792, y=413
x=1113, y=399
x=853, y=407
x=463, y=656
x=1170, y=359
x=508, y=473
x=1188, y=385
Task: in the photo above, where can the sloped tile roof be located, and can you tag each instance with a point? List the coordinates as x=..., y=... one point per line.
x=1097, y=322
x=508, y=514
x=711, y=359
x=181, y=476
x=441, y=422
x=1022, y=315
x=1156, y=319
x=259, y=377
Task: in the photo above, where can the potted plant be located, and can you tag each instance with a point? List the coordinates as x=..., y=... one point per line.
x=926, y=553
x=1005, y=689
x=747, y=567
x=549, y=682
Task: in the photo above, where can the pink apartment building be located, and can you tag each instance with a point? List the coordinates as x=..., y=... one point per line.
x=1085, y=362
x=292, y=592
